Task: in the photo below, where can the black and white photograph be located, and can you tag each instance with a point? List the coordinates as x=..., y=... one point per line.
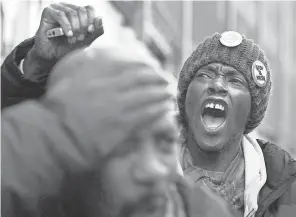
x=148, y=108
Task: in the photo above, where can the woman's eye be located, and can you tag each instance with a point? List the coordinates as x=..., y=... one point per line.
x=204, y=75
x=236, y=81
x=130, y=146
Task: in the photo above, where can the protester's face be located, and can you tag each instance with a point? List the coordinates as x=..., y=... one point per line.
x=218, y=103
x=134, y=179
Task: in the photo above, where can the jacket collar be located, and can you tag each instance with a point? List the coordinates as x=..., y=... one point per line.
x=280, y=166
x=255, y=174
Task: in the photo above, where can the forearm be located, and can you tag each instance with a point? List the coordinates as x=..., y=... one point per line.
x=14, y=86
x=36, y=69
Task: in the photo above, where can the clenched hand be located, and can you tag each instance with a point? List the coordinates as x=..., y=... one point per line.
x=80, y=26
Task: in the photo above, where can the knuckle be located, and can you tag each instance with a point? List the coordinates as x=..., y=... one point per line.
x=61, y=14
x=54, y=5
x=82, y=10
x=45, y=10
x=90, y=8
x=67, y=12
x=60, y=3
x=73, y=13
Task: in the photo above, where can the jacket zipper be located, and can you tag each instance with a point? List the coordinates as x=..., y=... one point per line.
x=251, y=213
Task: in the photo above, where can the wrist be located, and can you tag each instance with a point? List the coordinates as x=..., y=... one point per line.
x=35, y=67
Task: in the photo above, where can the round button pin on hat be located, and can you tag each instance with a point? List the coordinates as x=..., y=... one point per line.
x=231, y=39
x=259, y=73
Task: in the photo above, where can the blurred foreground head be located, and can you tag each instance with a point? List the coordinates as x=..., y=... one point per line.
x=120, y=106
x=108, y=145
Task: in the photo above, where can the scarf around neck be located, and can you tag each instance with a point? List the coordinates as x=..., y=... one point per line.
x=247, y=172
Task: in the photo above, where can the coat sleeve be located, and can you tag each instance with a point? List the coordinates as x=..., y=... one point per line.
x=14, y=87
x=287, y=203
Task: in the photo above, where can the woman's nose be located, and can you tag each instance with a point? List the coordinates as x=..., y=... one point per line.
x=218, y=86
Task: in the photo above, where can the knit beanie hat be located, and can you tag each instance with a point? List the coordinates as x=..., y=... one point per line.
x=232, y=49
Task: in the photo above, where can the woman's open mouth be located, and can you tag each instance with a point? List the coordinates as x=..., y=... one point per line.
x=214, y=114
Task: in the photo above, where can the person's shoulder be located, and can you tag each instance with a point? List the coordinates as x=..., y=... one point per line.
x=280, y=165
x=271, y=149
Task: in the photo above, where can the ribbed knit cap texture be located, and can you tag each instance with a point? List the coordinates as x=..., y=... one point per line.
x=241, y=57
